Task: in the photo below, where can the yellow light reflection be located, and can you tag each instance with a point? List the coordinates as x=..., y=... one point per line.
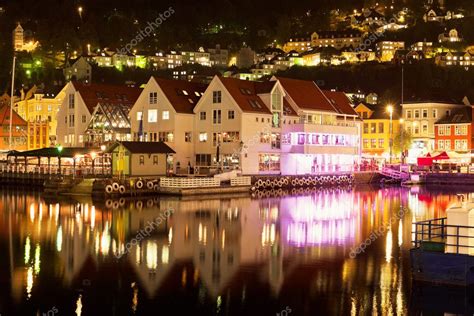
x=29, y=281
x=37, y=259
x=151, y=255
x=79, y=305
x=388, y=246
x=165, y=255
x=27, y=249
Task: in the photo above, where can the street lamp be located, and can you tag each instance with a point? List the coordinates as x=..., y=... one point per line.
x=79, y=10
x=390, y=111
x=402, y=131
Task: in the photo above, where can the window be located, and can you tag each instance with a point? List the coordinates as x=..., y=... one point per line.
x=141, y=160
x=165, y=115
x=373, y=128
x=381, y=128
x=265, y=138
x=409, y=116
x=447, y=145
x=203, y=137
x=435, y=113
x=216, y=96
x=71, y=120
x=276, y=141
x=373, y=143
x=155, y=159
x=366, y=143
x=71, y=101
x=460, y=130
x=230, y=137
x=139, y=116
x=366, y=128
x=188, y=137
x=81, y=138
x=65, y=119
x=424, y=128
x=152, y=116
x=269, y=162
x=216, y=117
x=231, y=114
x=417, y=113
x=153, y=99
x=440, y=144
x=83, y=119
x=381, y=143
x=425, y=113
x=202, y=116
x=448, y=130
x=203, y=160
x=167, y=137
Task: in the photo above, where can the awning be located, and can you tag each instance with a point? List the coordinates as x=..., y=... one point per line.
x=425, y=161
x=442, y=156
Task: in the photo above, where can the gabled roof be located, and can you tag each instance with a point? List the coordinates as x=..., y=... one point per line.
x=340, y=101
x=245, y=93
x=183, y=95
x=459, y=116
x=306, y=94
x=5, y=114
x=144, y=147
x=94, y=93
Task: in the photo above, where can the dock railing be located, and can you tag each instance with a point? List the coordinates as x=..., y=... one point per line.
x=456, y=239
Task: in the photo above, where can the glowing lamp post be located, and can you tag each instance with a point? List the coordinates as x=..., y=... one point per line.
x=390, y=111
x=60, y=149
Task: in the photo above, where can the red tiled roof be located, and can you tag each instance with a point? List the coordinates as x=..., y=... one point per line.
x=95, y=93
x=340, y=101
x=306, y=94
x=245, y=93
x=5, y=114
x=175, y=91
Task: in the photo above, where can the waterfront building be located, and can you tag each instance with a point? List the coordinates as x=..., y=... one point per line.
x=376, y=134
x=80, y=101
x=164, y=112
x=453, y=134
x=40, y=108
x=419, y=120
x=138, y=159
x=284, y=126
x=19, y=130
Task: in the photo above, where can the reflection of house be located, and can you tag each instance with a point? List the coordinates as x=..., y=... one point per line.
x=453, y=133
x=135, y=159
x=78, y=104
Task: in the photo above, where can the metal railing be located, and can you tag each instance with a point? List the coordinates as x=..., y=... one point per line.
x=458, y=239
x=189, y=182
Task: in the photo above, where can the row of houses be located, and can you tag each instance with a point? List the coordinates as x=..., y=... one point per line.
x=432, y=126
x=283, y=126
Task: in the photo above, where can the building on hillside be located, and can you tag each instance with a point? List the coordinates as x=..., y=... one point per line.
x=164, y=112
x=140, y=159
x=419, y=120
x=80, y=70
x=386, y=49
x=298, y=44
x=453, y=134
x=80, y=101
x=19, y=130
x=463, y=59
x=450, y=37
x=39, y=108
x=376, y=129
x=336, y=39
x=19, y=41
x=275, y=128
x=218, y=57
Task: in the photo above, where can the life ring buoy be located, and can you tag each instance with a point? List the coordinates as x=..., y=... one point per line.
x=259, y=183
x=156, y=187
x=139, y=205
x=115, y=205
x=149, y=203
x=115, y=186
x=109, y=189
x=121, y=201
x=109, y=203
x=267, y=183
x=122, y=189
x=149, y=185
x=139, y=184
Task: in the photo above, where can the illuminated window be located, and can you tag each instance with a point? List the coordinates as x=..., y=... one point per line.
x=203, y=137
x=152, y=116
x=166, y=115
x=139, y=116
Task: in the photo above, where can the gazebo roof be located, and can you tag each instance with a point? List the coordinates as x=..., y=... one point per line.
x=66, y=152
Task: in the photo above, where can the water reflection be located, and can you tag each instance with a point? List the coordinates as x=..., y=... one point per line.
x=212, y=256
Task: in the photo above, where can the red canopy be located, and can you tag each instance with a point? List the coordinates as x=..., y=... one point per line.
x=428, y=160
